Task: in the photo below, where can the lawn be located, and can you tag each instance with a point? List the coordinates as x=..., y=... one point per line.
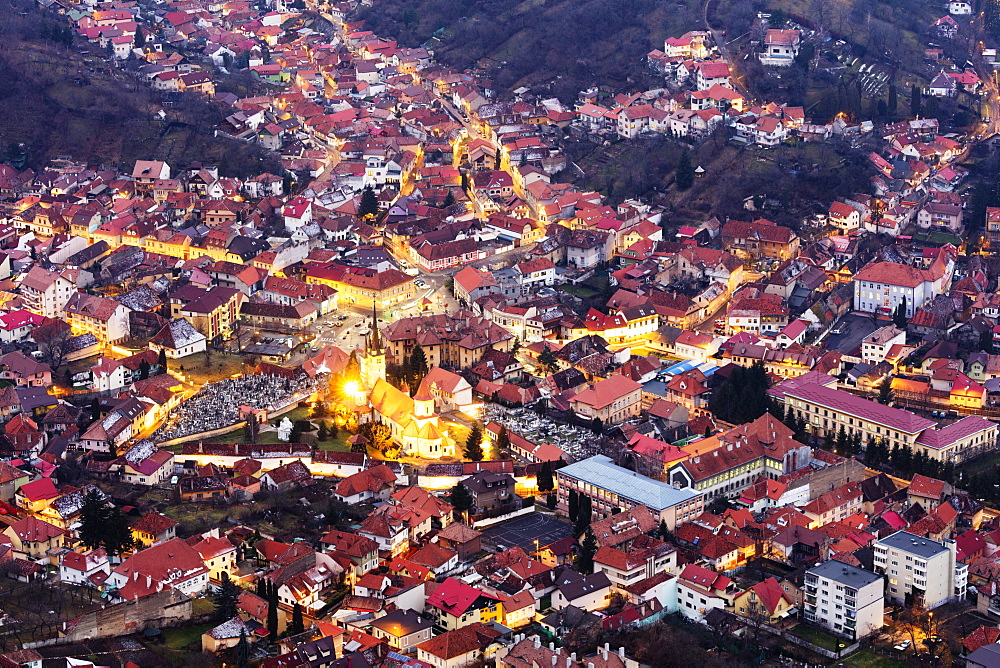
x=818, y=638
x=869, y=659
x=183, y=638
x=197, y=370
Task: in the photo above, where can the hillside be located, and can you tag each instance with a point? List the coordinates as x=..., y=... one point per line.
x=59, y=100
x=555, y=46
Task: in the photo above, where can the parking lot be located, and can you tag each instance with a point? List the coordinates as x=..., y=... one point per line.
x=525, y=530
x=853, y=329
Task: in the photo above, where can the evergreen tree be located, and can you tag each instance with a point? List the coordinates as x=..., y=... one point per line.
x=899, y=315
x=547, y=360
x=685, y=172
x=369, y=203
x=474, y=444
x=333, y=430
x=502, y=444
x=272, y=612
x=243, y=651
x=225, y=599
x=460, y=498
x=140, y=39
x=161, y=360
x=418, y=364
x=986, y=342
x=893, y=101
x=93, y=518
x=915, y=100
x=544, y=478
x=597, y=426
x=742, y=397
x=449, y=199
x=574, y=505
x=584, y=514
x=118, y=537
x=662, y=532
x=588, y=548
x=551, y=501
x=885, y=391
x=297, y=625
x=708, y=430
x=323, y=433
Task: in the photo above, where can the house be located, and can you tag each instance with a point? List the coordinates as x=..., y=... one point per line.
x=699, y=591
x=587, y=592
x=172, y=562
x=153, y=528
x=461, y=647
x=226, y=635
x=178, y=338
x=643, y=559
x=781, y=47
x=766, y=601
x=759, y=239
x=24, y=371
x=145, y=464
x=377, y=482
x=47, y=292
x=882, y=286
x=611, y=401
x=490, y=490
x=455, y=604
x=402, y=629
x=844, y=598
x=106, y=319
x=87, y=569
x=33, y=537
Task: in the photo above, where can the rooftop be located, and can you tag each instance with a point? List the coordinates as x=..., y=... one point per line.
x=599, y=470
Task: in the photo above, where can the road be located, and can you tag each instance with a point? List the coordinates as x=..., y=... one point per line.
x=719, y=37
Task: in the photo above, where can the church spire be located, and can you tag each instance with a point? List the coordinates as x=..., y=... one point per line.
x=374, y=341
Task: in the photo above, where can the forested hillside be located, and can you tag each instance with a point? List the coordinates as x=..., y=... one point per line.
x=59, y=97
x=552, y=45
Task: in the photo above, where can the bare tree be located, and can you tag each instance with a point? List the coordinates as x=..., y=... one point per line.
x=54, y=346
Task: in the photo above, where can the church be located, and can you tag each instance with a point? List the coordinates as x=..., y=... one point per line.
x=415, y=425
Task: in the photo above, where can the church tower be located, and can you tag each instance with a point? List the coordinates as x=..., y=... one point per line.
x=373, y=363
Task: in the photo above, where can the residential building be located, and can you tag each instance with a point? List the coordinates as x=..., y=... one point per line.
x=47, y=292
x=781, y=47
x=920, y=571
x=882, y=286
x=612, y=400
x=844, y=598
x=700, y=590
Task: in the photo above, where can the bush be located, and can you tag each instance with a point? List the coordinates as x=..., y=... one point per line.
x=528, y=502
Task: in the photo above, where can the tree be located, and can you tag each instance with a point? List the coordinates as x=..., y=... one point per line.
x=914, y=100
x=685, y=172
x=140, y=39
x=93, y=516
x=297, y=625
x=369, y=203
x=474, y=444
x=551, y=501
x=742, y=397
x=893, y=101
x=243, y=651
x=547, y=360
x=449, y=199
x=899, y=315
x=885, y=391
x=332, y=430
x=544, y=478
x=662, y=531
x=597, y=426
x=460, y=498
x=144, y=368
x=118, y=537
x=584, y=514
x=161, y=360
x=272, y=612
x=418, y=365
x=323, y=433
x=574, y=505
x=226, y=598
x=986, y=341
x=53, y=343
x=588, y=548
x=502, y=444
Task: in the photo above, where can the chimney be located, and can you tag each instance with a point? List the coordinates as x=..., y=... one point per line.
x=555, y=659
x=621, y=652
x=552, y=646
x=538, y=643
x=569, y=662
x=573, y=655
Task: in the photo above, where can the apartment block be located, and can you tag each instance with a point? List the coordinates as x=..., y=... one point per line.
x=845, y=599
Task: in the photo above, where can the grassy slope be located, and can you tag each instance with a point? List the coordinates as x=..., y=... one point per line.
x=560, y=46
x=109, y=122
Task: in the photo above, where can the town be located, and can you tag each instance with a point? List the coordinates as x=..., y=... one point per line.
x=417, y=398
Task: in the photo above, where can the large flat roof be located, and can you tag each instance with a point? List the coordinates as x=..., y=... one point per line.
x=845, y=574
x=601, y=472
x=905, y=541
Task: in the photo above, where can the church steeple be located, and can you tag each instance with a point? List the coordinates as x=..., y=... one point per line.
x=374, y=343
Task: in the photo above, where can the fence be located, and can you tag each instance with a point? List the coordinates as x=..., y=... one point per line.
x=490, y=521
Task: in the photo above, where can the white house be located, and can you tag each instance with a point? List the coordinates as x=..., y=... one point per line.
x=79, y=568
x=876, y=345
x=882, y=286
